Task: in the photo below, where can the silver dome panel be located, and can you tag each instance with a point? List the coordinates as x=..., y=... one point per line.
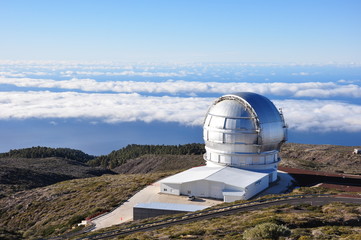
x=244, y=130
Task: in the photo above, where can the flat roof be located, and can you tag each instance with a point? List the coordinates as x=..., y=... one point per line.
x=171, y=206
x=228, y=175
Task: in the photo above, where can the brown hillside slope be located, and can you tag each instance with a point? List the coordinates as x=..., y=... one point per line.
x=18, y=174
x=159, y=163
x=54, y=209
x=327, y=158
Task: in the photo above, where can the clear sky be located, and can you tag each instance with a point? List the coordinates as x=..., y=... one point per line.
x=309, y=31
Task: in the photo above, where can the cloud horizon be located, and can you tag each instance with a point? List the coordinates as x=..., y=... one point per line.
x=300, y=115
x=296, y=90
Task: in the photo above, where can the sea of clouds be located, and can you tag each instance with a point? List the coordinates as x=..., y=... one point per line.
x=311, y=98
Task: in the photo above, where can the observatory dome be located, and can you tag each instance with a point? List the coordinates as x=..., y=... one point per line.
x=244, y=130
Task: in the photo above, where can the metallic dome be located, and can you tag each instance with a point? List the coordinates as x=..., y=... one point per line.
x=244, y=130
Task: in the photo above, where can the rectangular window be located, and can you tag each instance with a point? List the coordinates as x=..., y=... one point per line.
x=229, y=138
x=217, y=122
x=214, y=157
x=231, y=123
x=215, y=136
x=164, y=189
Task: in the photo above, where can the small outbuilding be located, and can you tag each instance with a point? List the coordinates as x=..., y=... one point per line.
x=154, y=209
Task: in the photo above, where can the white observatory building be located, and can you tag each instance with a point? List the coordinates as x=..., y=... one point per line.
x=243, y=133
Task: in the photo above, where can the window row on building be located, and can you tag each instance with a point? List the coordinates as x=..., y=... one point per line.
x=230, y=137
x=242, y=159
x=243, y=123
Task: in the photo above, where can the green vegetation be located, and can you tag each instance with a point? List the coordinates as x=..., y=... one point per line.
x=9, y=235
x=331, y=221
x=119, y=157
x=41, y=166
x=328, y=158
x=112, y=160
x=266, y=231
x=303, y=221
x=45, y=152
x=55, y=209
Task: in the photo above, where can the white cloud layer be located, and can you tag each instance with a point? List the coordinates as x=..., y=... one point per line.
x=303, y=115
x=307, y=89
x=321, y=116
x=106, y=107
x=127, y=73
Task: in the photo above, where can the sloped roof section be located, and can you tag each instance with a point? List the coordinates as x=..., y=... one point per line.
x=236, y=177
x=193, y=174
x=228, y=175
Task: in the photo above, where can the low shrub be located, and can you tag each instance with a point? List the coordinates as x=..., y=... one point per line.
x=266, y=231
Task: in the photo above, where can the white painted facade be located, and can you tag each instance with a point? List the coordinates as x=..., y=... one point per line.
x=225, y=183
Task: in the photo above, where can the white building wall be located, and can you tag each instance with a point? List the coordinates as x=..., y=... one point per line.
x=231, y=198
x=233, y=188
x=256, y=187
x=216, y=189
x=170, y=188
x=203, y=188
x=273, y=176
x=196, y=188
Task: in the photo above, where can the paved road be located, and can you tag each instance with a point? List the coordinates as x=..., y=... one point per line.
x=322, y=200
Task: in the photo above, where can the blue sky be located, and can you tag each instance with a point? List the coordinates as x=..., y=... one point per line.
x=182, y=31
x=98, y=75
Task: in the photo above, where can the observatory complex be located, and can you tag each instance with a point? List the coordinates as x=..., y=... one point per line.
x=243, y=133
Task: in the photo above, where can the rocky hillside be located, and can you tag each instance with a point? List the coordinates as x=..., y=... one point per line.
x=159, y=163
x=18, y=174
x=55, y=209
x=40, y=166
x=327, y=158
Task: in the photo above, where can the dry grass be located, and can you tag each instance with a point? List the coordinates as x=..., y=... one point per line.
x=56, y=208
x=303, y=220
x=327, y=158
